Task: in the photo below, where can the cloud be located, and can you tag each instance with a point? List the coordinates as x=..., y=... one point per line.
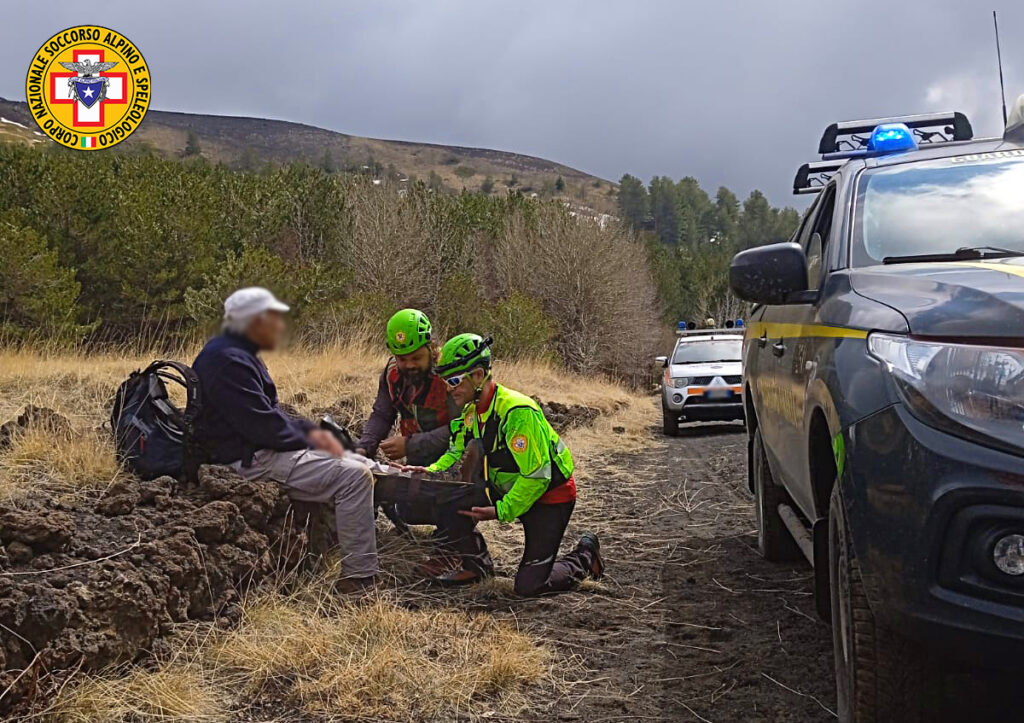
x=972, y=92
x=735, y=92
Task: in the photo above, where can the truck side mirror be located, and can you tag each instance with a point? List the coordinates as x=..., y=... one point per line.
x=661, y=360
x=769, y=274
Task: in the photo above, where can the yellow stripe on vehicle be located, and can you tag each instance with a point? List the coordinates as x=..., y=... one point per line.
x=778, y=330
x=989, y=266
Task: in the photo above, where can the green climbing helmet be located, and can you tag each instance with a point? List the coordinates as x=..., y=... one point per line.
x=463, y=353
x=408, y=330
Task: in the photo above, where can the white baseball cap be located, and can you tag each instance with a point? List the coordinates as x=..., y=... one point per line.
x=250, y=301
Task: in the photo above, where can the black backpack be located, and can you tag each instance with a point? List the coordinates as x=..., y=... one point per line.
x=151, y=435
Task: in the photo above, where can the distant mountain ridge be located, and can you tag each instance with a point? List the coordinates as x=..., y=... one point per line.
x=241, y=141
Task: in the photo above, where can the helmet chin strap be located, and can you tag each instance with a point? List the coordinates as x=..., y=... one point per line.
x=480, y=389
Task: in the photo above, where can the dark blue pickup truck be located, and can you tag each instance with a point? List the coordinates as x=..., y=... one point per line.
x=884, y=398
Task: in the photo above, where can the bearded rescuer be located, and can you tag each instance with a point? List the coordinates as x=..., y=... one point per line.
x=410, y=392
x=528, y=472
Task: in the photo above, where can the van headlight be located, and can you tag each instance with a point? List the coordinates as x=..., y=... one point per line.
x=967, y=389
x=680, y=382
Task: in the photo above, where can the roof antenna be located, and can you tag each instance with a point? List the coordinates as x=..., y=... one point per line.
x=999, y=56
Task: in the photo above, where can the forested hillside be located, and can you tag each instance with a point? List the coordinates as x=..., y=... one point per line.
x=691, y=238
x=249, y=144
x=139, y=250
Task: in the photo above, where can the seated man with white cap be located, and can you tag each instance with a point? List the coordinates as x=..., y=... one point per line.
x=242, y=426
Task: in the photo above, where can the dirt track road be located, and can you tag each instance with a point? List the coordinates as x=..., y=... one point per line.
x=692, y=625
x=745, y=626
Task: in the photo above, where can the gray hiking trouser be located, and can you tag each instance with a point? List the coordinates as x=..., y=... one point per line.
x=309, y=475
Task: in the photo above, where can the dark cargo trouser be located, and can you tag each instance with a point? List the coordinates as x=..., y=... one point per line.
x=412, y=512
x=539, y=571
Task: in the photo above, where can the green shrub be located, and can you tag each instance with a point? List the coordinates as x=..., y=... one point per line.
x=459, y=306
x=464, y=171
x=521, y=329
x=37, y=295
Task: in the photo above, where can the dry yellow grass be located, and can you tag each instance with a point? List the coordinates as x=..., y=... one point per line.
x=377, y=660
x=35, y=460
x=175, y=692
x=329, y=658
x=303, y=648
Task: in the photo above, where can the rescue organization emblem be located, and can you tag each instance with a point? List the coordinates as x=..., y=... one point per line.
x=88, y=87
x=519, y=443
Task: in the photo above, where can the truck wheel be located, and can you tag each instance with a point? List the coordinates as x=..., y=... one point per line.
x=773, y=538
x=669, y=422
x=880, y=676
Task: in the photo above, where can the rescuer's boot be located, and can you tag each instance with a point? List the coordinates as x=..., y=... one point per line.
x=590, y=546
x=439, y=565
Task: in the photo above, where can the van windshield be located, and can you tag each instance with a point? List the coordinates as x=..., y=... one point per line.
x=697, y=352
x=938, y=207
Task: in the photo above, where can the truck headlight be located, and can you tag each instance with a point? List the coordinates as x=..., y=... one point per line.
x=970, y=390
x=1008, y=555
x=680, y=382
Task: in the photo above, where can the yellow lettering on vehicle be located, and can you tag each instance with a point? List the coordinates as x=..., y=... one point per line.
x=785, y=330
x=1014, y=269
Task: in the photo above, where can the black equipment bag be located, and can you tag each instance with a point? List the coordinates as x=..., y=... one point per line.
x=152, y=436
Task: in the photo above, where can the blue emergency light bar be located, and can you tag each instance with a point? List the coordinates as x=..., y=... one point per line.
x=877, y=137
x=928, y=128
x=891, y=138
x=689, y=327
x=814, y=176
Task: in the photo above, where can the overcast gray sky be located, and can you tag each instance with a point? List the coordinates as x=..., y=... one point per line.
x=734, y=93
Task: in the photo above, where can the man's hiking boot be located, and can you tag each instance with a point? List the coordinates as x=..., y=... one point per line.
x=590, y=544
x=356, y=586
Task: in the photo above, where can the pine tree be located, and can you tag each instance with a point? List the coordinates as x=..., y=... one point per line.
x=665, y=209
x=633, y=201
x=727, y=214
x=756, y=223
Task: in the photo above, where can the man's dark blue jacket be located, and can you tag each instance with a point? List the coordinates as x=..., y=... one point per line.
x=239, y=404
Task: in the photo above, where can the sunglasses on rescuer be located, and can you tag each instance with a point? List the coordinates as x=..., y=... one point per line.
x=455, y=380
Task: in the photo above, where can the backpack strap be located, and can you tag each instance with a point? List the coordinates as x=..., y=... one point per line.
x=193, y=390
x=195, y=453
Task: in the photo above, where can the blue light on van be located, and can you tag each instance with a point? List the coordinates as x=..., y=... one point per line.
x=892, y=138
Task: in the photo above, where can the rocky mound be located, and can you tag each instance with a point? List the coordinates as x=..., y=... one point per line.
x=566, y=416
x=90, y=587
x=33, y=417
